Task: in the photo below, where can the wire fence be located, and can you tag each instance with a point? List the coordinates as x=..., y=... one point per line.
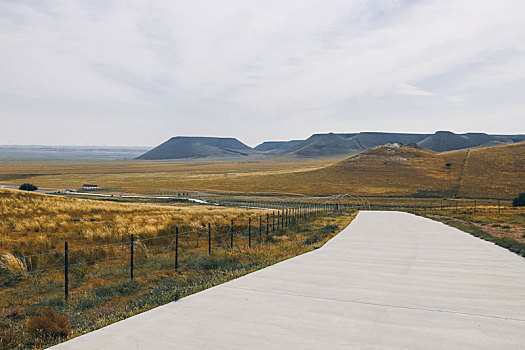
x=60, y=275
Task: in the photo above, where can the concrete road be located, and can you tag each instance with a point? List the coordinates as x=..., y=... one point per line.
x=390, y=280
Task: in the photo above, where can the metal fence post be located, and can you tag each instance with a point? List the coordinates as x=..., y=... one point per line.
x=273, y=221
x=131, y=257
x=209, y=238
x=66, y=271
x=260, y=225
x=267, y=223
x=249, y=232
x=231, y=236
x=176, y=248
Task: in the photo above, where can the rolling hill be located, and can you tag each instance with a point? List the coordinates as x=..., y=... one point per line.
x=393, y=170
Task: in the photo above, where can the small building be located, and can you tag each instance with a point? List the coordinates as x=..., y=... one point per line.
x=89, y=187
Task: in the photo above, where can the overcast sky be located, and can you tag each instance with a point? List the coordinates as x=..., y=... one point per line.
x=138, y=72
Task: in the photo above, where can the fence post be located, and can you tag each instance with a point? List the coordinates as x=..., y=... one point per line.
x=176, y=248
x=231, y=236
x=267, y=223
x=131, y=257
x=273, y=221
x=260, y=225
x=66, y=271
x=209, y=238
x=249, y=232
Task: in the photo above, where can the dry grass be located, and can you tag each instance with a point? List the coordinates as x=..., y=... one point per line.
x=494, y=172
x=147, y=176
x=99, y=284
x=497, y=172
x=503, y=226
x=32, y=223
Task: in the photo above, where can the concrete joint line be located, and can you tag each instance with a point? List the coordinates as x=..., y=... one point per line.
x=378, y=304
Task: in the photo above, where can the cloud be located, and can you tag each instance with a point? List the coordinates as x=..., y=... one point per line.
x=258, y=70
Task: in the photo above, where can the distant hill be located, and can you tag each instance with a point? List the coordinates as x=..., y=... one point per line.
x=332, y=145
x=282, y=146
x=394, y=170
x=184, y=147
x=329, y=145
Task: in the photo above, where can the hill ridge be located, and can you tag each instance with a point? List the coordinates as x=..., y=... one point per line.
x=320, y=145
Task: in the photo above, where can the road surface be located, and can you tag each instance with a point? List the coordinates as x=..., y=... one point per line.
x=390, y=280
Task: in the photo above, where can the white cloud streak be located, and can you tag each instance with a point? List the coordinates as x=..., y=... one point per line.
x=258, y=69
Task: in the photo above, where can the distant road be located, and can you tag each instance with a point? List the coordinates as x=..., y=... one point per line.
x=390, y=280
x=16, y=188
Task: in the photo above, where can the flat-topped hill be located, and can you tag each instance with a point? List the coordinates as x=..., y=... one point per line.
x=329, y=145
x=184, y=147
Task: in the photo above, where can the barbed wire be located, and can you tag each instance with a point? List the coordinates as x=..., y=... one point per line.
x=212, y=237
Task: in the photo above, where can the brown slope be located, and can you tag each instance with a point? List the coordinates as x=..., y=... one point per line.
x=380, y=171
x=495, y=172
x=396, y=171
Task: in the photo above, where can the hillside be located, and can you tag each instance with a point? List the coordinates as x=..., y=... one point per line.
x=325, y=145
x=182, y=147
x=494, y=172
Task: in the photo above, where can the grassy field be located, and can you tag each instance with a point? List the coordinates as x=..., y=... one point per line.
x=502, y=226
x=100, y=289
x=147, y=176
x=387, y=171
x=31, y=223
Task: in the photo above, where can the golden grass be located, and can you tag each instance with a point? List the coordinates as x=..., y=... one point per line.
x=99, y=284
x=494, y=172
x=386, y=171
x=145, y=176
x=33, y=223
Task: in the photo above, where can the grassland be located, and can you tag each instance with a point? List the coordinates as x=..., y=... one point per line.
x=99, y=257
x=502, y=226
x=32, y=223
x=386, y=171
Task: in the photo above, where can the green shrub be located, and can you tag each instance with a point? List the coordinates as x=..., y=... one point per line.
x=28, y=187
x=53, y=302
x=84, y=303
x=120, y=288
x=519, y=201
x=330, y=228
x=11, y=333
x=210, y=262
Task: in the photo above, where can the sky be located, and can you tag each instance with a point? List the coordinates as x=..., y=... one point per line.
x=139, y=72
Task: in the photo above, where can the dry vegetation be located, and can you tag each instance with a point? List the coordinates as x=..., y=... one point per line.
x=147, y=176
x=34, y=313
x=32, y=223
x=504, y=226
x=386, y=171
